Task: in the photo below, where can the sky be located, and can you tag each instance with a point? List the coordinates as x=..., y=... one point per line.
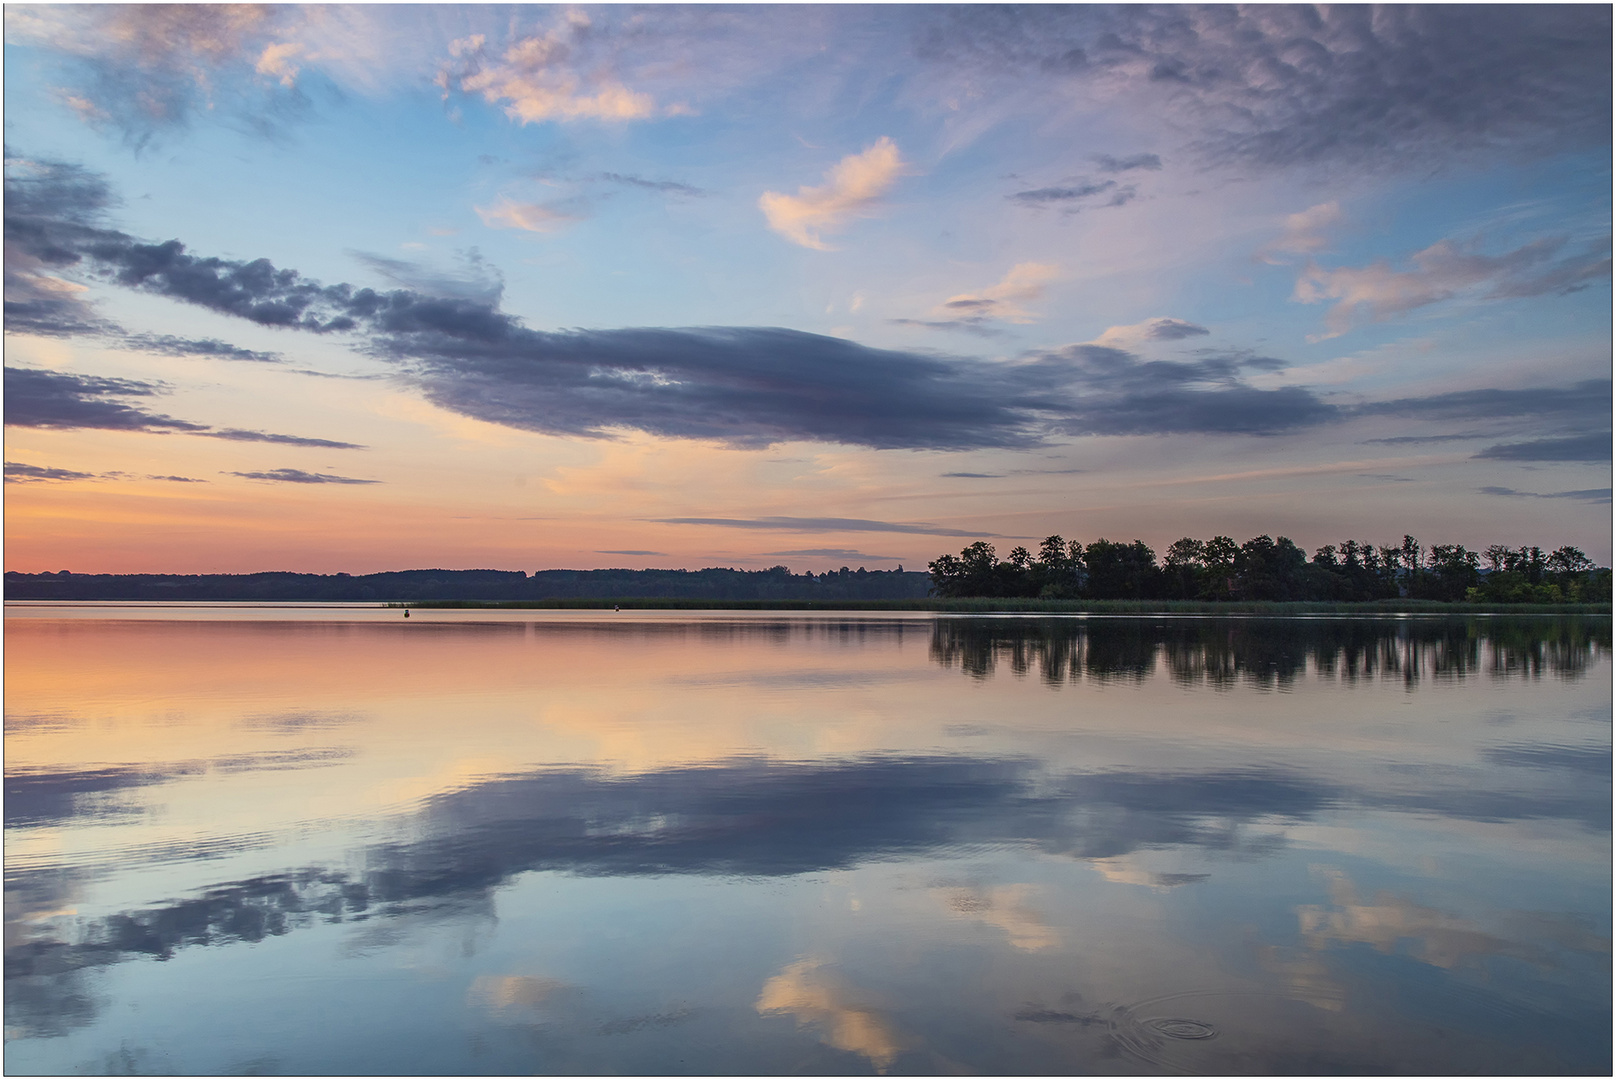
x=364, y=288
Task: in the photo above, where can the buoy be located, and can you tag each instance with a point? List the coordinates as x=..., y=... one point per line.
x=406, y=613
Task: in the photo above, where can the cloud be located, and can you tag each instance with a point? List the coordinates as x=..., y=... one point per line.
x=973, y=475
x=61, y=400
x=978, y=325
x=833, y=553
x=477, y=280
x=169, y=345
x=630, y=552
x=1024, y=283
x=298, y=476
x=1577, y=448
x=1593, y=495
x=535, y=79
x=1276, y=86
x=746, y=386
x=1391, y=923
x=532, y=217
x=820, y=998
x=50, y=399
x=276, y=61
x=1304, y=233
x=143, y=68
x=796, y=524
x=851, y=189
x=1005, y=908
x=1445, y=270
x=240, y=435
x=668, y=187
x=1071, y=194
x=1110, y=164
x=1586, y=403
x=18, y=473
x=1158, y=329
x=1102, y=390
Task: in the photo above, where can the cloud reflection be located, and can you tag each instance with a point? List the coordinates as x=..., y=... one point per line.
x=823, y=999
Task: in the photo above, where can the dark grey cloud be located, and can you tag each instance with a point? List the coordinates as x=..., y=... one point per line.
x=629, y=551
x=169, y=345
x=979, y=325
x=1282, y=85
x=1069, y=195
x=747, y=386
x=1109, y=164
x=797, y=524
x=54, y=212
x=1586, y=403
x=973, y=475
x=1109, y=391
x=57, y=399
x=1415, y=440
x=19, y=473
x=1576, y=448
x=1593, y=495
x=298, y=476
x=1174, y=330
x=178, y=479
x=240, y=435
x=667, y=187
x=53, y=399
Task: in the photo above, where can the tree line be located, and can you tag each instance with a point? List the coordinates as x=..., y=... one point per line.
x=1264, y=568
x=711, y=583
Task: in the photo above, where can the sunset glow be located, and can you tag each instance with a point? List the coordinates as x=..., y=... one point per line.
x=562, y=287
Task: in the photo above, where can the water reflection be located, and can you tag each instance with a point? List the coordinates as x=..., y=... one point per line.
x=878, y=865
x=1220, y=652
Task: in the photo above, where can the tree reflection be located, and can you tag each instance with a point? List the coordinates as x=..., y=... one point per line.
x=1222, y=652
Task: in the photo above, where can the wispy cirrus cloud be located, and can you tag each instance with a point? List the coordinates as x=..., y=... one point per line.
x=1595, y=447
x=1157, y=329
x=1071, y=195
x=1108, y=164
x=1280, y=85
x=143, y=68
x=1024, y=283
x=1305, y=233
x=508, y=213
x=1446, y=270
x=831, y=553
x=824, y=524
x=1591, y=495
x=666, y=187
x=298, y=476
x=539, y=78
x=852, y=188
x=20, y=473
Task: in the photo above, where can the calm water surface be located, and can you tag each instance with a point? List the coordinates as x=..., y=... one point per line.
x=333, y=841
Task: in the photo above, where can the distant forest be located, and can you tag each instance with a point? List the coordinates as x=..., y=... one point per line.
x=775, y=583
x=1211, y=570
x=1267, y=569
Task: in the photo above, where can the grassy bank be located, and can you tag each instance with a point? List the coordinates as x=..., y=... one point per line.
x=986, y=606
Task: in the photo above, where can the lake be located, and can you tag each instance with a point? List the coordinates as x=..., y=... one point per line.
x=331, y=840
